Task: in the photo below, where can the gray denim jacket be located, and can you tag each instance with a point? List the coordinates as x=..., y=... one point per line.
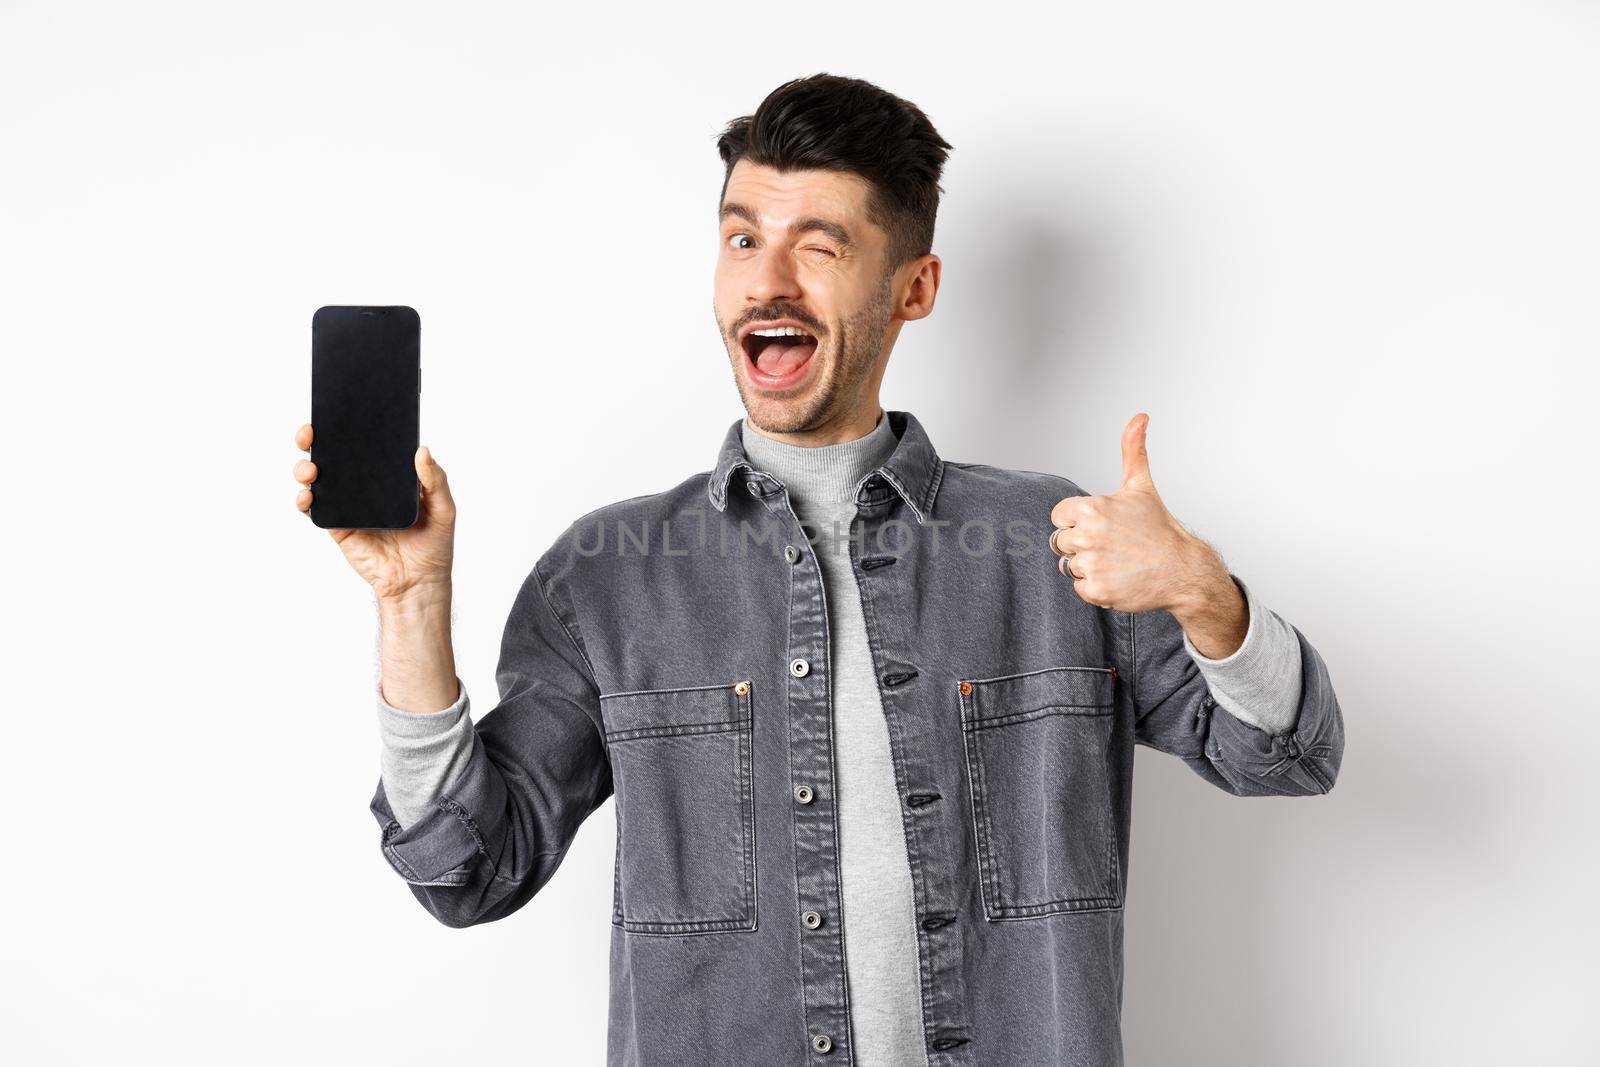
x=672, y=649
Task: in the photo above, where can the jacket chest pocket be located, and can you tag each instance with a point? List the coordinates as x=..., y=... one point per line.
x=686, y=848
x=1038, y=751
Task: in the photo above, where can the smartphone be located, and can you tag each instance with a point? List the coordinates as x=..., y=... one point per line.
x=366, y=385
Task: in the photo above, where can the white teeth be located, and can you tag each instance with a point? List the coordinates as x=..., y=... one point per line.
x=780, y=331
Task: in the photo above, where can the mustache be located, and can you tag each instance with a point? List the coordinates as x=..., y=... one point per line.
x=776, y=313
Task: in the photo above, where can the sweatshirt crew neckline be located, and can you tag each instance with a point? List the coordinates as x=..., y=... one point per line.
x=821, y=474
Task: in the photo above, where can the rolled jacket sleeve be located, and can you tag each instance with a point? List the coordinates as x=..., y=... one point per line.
x=537, y=766
x=1175, y=704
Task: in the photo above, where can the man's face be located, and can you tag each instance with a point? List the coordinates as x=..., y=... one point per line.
x=797, y=248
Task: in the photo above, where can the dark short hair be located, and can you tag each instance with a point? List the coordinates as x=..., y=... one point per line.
x=828, y=122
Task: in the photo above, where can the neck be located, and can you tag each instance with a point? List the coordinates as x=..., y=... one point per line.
x=850, y=427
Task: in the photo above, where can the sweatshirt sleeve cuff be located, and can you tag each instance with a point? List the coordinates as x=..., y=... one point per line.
x=422, y=752
x=1259, y=682
x=423, y=723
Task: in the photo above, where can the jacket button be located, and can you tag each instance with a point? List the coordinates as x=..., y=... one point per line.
x=802, y=793
x=812, y=919
x=752, y=487
x=966, y=689
x=821, y=1042
x=742, y=688
x=791, y=553
x=799, y=667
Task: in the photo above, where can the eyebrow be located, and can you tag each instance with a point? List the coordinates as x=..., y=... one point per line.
x=805, y=225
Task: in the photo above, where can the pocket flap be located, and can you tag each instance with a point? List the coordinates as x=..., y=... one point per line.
x=688, y=709
x=1083, y=690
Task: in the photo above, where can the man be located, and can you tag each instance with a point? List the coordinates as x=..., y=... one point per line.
x=871, y=743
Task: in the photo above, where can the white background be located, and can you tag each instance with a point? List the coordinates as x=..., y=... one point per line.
x=1343, y=254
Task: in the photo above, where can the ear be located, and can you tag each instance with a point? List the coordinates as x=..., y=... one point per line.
x=921, y=287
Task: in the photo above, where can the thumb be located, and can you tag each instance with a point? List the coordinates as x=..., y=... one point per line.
x=1135, y=460
x=429, y=473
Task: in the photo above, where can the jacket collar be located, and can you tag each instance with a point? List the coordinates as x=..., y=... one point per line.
x=913, y=469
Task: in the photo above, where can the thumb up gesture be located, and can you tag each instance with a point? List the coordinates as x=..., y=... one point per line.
x=1125, y=551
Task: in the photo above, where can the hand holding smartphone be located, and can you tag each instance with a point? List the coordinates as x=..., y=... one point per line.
x=383, y=498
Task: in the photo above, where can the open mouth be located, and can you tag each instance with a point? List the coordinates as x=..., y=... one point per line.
x=779, y=356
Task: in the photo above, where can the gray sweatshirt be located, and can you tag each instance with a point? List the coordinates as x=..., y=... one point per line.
x=1259, y=683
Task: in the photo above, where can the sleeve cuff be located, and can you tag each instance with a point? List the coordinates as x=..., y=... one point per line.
x=1259, y=682
x=429, y=721
x=421, y=753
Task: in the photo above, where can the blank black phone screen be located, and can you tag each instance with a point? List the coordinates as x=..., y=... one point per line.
x=366, y=374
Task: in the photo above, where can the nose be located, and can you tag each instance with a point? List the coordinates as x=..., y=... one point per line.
x=773, y=278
